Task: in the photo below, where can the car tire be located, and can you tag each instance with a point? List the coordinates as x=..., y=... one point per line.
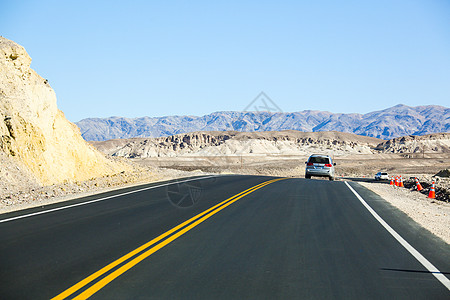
x=308, y=176
x=331, y=178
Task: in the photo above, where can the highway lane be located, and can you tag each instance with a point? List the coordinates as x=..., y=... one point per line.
x=293, y=238
x=42, y=255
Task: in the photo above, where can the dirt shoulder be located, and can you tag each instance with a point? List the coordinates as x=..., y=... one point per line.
x=26, y=195
x=431, y=214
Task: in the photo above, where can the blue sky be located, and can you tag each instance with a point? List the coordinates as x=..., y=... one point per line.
x=157, y=58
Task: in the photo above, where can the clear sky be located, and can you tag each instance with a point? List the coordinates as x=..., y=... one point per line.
x=157, y=58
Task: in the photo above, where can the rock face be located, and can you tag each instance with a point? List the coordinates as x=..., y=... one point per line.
x=34, y=131
x=396, y=121
x=218, y=143
x=431, y=143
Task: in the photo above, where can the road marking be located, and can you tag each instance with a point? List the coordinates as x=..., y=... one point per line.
x=101, y=199
x=143, y=247
x=172, y=235
x=429, y=266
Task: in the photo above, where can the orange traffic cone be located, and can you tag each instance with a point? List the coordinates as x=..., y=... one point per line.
x=419, y=187
x=400, y=184
x=396, y=180
x=432, y=193
x=392, y=181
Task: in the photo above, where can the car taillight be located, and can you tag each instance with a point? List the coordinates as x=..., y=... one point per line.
x=328, y=165
x=309, y=164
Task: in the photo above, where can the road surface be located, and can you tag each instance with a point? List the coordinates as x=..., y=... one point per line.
x=225, y=237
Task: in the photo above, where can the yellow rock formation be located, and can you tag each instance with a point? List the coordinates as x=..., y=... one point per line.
x=36, y=132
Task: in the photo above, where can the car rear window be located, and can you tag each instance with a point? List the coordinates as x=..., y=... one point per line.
x=319, y=160
x=383, y=173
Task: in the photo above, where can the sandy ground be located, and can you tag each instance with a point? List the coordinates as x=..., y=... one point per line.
x=347, y=166
x=431, y=214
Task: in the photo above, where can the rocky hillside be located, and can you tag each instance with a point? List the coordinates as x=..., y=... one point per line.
x=220, y=143
x=389, y=123
x=431, y=143
x=34, y=134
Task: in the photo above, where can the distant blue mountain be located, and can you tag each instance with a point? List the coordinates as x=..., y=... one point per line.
x=396, y=121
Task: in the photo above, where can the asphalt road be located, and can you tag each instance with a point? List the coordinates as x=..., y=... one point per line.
x=285, y=239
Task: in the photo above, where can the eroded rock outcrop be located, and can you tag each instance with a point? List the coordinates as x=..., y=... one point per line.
x=33, y=130
x=217, y=143
x=430, y=143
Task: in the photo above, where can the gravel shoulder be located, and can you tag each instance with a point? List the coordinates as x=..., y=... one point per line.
x=25, y=195
x=431, y=214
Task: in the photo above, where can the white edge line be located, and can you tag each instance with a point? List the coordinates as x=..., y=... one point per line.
x=98, y=200
x=429, y=266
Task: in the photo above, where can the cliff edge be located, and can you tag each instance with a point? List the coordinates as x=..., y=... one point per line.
x=33, y=130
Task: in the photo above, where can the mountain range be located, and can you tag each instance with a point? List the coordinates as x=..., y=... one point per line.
x=396, y=121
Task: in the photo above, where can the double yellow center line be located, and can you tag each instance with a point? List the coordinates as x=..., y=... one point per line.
x=148, y=249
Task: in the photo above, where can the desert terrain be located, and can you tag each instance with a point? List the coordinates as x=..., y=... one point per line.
x=44, y=159
x=293, y=165
x=285, y=152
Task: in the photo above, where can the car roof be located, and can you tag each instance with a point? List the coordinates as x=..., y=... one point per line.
x=322, y=155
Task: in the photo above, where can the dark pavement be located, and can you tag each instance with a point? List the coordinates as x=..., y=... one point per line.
x=290, y=239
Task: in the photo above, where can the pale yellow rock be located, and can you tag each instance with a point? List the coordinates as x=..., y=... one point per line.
x=33, y=130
